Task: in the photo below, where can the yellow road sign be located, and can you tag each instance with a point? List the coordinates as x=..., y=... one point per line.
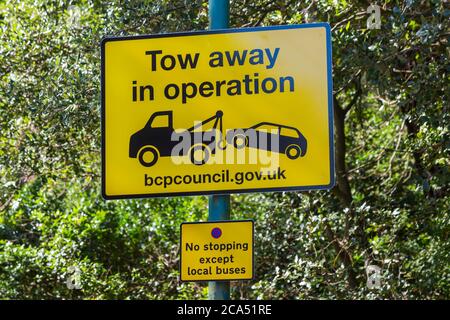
x=227, y=111
x=216, y=251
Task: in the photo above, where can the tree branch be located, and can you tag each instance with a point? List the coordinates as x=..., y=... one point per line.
x=342, y=189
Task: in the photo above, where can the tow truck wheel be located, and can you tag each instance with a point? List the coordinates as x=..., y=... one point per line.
x=148, y=156
x=240, y=141
x=293, y=151
x=199, y=154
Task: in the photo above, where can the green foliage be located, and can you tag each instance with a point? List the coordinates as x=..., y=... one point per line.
x=390, y=207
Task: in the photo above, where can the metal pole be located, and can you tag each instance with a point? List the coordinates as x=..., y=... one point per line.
x=219, y=209
x=219, y=14
x=219, y=206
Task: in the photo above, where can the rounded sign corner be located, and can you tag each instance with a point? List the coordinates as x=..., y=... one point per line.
x=332, y=183
x=104, y=195
x=104, y=41
x=325, y=25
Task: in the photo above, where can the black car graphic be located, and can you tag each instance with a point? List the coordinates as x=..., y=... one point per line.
x=271, y=137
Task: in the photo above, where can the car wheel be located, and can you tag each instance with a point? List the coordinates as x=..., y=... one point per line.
x=199, y=154
x=240, y=141
x=293, y=151
x=148, y=156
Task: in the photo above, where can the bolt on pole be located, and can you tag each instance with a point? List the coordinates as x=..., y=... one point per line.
x=219, y=205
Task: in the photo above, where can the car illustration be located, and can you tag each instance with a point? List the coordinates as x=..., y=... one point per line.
x=271, y=137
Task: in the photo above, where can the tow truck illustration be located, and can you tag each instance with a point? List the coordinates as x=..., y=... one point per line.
x=156, y=139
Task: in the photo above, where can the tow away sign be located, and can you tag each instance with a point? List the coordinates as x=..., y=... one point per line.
x=223, y=111
x=213, y=251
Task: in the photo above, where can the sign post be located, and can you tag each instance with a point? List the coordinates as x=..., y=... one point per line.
x=219, y=205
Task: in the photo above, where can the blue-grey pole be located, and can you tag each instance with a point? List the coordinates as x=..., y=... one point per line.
x=219, y=206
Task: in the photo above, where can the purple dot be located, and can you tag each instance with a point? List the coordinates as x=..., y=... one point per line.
x=216, y=233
